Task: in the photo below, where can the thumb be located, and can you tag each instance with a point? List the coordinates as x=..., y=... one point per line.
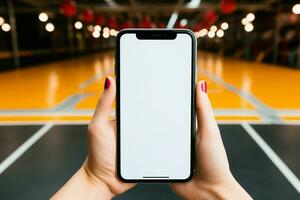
x=211, y=155
x=205, y=116
x=103, y=108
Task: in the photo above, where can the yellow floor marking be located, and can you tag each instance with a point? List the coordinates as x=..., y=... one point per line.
x=88, y=102
x=224, y=98
x=276, y=86
x=238, y=118
x=291, y=118
x=47, y=85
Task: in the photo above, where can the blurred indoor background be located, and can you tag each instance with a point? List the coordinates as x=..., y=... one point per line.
x=37, y=31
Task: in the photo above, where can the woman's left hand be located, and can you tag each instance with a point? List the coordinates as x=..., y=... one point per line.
x=97, y=178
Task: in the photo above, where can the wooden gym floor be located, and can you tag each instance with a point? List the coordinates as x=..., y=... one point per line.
x=44, y=111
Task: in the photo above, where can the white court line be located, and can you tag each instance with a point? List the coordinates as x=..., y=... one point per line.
x=24, y=147
x=283, y=168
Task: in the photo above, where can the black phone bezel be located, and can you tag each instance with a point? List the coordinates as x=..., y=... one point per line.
x=154, y=32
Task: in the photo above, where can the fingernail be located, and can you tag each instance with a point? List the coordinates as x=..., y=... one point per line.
x=107, y=83
x=204, y=86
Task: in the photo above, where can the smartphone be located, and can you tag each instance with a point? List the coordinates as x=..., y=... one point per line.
x=155, y=73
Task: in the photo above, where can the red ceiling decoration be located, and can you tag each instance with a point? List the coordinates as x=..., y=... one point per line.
x=88, y=16
x=68, y=8
x=228, y=6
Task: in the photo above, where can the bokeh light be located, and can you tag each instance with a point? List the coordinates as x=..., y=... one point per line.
x=211, y=34
x=296, y=9
x=49, y=27
x=43, y=17
x=224, y=25
x=250, y=17
x=249, y=27
x=78, y=25
x=5, y=27
x=220, y=33
x=1, y=21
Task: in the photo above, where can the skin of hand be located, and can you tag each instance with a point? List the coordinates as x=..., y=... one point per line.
x=212, y=179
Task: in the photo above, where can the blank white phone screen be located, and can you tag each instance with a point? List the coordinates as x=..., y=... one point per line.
x=155, y=107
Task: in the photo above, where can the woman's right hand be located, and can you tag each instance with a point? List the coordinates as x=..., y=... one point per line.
x=212, y=179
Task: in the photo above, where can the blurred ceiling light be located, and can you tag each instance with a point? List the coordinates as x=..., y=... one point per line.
x=245, y=21
x=1, y=21
x=49, y=27
x=211, y=34
x=203, y=32
x=111, y=3
x=220, y=33
x=193, y=3
x=90, y=28
x=213, y=28
x=78, y=25
x=105, y=34
x=96, y=34
x=106, y=30
x=183, y=22
x=197, y=34
x=43, y=17
x=224, y=26
x=296, y=9
x=112, y=32
x=97, y=28
x=250, y=17
x=5, y=27
x=172, y=20
x=249, y=27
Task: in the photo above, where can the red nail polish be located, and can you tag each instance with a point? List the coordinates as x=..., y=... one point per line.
x=204, y=86
x=107, y=83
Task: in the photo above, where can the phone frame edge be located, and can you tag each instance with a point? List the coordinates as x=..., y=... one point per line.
x=193, y=96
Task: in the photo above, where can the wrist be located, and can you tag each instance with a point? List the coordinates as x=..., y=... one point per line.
x=96, y=184
x=227, y=190
x=82, y=186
